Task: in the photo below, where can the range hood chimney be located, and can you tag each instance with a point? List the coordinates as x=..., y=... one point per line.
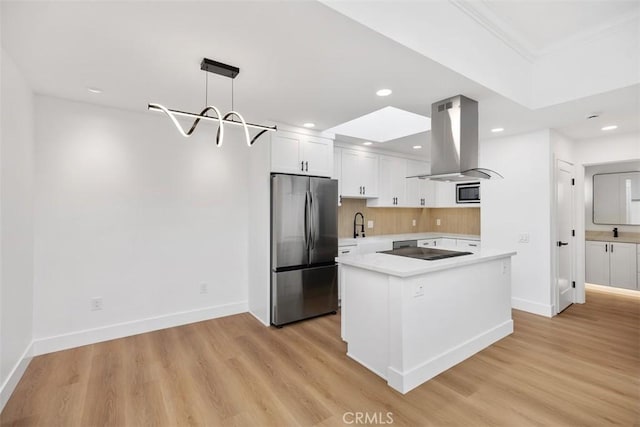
x=454, y=141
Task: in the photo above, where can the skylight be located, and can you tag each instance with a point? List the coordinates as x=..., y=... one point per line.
x=384, y=125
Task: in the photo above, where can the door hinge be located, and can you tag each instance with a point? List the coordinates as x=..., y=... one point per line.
x=573, y=233
x=573, y=284
x=573, y=181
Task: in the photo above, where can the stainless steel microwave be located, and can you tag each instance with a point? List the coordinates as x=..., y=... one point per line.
x=468, y=192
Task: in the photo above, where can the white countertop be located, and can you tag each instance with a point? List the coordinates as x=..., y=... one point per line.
x=408, y=236
x=400, y=266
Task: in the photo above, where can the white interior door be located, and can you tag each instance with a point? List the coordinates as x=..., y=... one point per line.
x=564, y=225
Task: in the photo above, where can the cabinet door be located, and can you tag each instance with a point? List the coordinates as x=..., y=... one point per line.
x=317, y=153
x=285, y=153
x=359, y=174
x=415, y=188
x=622, y=265
x=445, y=194
x=369, y=164
x=391, y=183
x=597, y=262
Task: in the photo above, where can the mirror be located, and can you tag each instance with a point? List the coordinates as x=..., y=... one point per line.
x=616, y=198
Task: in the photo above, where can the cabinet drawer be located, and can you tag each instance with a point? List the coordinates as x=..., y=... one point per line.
x=427, y=243
x=468, y=245
x=347, y=250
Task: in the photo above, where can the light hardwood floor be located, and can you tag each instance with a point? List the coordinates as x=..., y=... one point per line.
x=580, y=368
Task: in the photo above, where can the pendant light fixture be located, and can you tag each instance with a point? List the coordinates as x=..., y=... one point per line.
x=231, y=118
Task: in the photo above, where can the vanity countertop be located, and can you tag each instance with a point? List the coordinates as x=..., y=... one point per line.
x=607, y=236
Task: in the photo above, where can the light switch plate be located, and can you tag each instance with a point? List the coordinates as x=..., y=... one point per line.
x=369, y=224
x=523, y=238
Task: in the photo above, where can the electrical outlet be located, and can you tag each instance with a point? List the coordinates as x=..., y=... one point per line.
x=523, y=238
x=438, y=222
x=369, y=224
x=418, y=290
x=204, y=288
x=96, y=303
x=413, y=222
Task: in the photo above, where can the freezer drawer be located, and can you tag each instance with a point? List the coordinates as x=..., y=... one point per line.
x=300, y=294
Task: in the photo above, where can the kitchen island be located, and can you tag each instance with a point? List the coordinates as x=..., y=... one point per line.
x=408, y=319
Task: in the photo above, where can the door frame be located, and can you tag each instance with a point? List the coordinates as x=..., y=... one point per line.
x=554, y=232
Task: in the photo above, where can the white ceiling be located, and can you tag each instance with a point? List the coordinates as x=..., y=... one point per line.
x=300, y=62
x=542, y=25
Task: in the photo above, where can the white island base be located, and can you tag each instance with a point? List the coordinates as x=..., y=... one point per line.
x=408, y=320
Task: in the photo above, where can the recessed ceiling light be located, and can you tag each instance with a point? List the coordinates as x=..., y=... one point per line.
x=309, y=125
x=94, y=90
x=496, y=130
x=367, y=143
x=612, y=127
x=384, y=92
x=417, y=147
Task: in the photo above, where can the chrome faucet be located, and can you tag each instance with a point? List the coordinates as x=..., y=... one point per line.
x=355, y=225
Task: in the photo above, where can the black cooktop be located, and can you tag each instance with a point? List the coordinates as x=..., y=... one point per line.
x=429, y=254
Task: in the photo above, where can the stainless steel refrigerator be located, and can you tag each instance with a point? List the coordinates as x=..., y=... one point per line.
x=304, y=244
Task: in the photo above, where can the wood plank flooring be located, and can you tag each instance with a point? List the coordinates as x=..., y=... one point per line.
x=580, y=368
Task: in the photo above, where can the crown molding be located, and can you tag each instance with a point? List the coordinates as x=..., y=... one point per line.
x=480, y=13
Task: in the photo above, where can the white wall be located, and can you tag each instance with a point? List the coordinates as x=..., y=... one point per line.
x=16, y=226
x=521, y=203
x=128, y=210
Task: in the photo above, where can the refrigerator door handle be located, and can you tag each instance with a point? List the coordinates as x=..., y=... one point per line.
x=312, y=227
x=306, y=220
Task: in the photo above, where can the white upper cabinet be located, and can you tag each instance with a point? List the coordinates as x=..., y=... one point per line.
x=417, y=190
x=301, y=154
x=359, y=174
x=391, y=183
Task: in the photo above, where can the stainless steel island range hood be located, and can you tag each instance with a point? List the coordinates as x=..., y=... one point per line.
x=454, y=141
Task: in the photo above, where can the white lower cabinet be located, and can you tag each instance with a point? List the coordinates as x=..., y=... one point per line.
x=344, y=251
x=611, y=264
x=448, y=243
x=468, y=245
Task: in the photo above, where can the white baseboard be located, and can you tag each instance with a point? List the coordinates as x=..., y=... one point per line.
x=6, y=389
x=125, y=329
x=408, y=380
x=259, y=319
x=375, y=371
x=532, y=307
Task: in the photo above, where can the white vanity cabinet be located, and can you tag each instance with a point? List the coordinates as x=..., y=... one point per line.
x=301, y=154
x=611, y=264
